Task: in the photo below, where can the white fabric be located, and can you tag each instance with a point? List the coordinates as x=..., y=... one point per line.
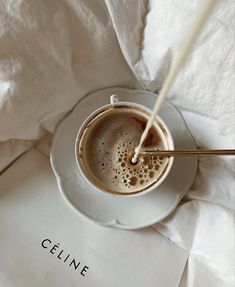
x=52, y=52
x=204, y=223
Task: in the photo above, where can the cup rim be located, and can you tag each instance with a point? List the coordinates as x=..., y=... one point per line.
x=163, y=126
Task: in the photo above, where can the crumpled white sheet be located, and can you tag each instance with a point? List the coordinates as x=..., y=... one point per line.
x=54, y=52
x=204, y=222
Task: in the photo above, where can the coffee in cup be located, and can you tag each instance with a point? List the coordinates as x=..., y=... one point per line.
x=105, y=147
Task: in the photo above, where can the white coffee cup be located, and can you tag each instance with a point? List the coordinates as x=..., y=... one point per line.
x=114, y=102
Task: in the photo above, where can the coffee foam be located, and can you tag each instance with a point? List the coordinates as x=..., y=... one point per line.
x=110, y=143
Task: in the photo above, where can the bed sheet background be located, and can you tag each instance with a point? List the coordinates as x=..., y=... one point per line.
x=52, y=52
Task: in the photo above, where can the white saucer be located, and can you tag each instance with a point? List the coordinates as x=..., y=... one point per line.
x=111, y=210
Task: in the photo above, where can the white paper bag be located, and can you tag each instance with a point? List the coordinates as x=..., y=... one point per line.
x=38, y=231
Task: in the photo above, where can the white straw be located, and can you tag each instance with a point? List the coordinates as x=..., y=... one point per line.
x=200, y=19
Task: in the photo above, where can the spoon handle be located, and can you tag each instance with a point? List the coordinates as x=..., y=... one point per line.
x=189, y=152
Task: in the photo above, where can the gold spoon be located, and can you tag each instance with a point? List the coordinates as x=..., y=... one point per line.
x=189, y=152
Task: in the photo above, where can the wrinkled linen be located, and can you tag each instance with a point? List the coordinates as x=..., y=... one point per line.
x=54, y=52
x=204, y=222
